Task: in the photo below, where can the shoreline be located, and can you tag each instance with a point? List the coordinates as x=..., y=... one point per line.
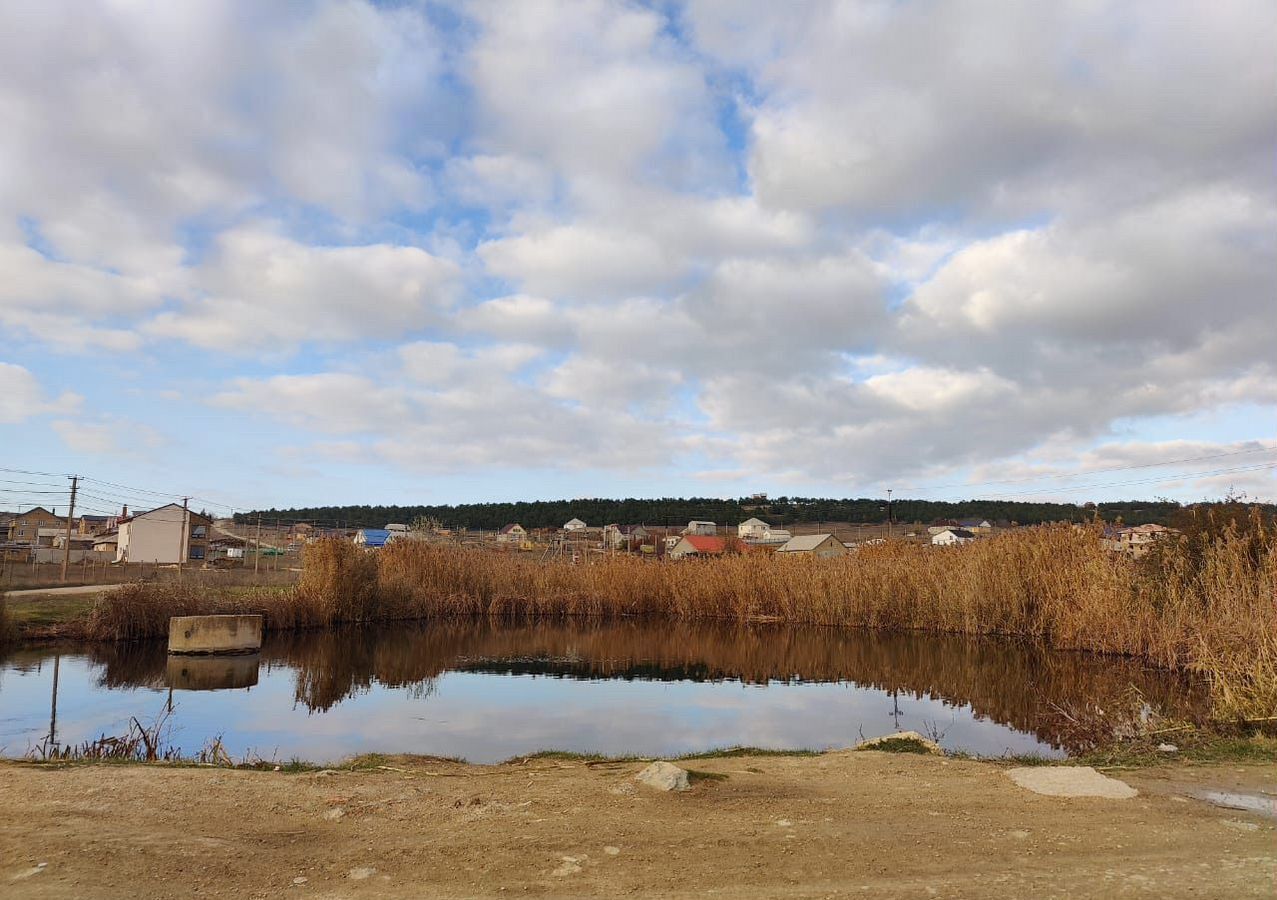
x=750, y=825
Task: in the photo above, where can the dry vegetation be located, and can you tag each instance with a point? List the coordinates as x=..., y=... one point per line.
x=1204, y=603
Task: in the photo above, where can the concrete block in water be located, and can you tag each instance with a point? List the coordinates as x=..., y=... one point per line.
x=212, y=673
x=214, y=634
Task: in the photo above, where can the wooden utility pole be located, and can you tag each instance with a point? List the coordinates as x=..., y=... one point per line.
x=66, y=549
x=257, y=556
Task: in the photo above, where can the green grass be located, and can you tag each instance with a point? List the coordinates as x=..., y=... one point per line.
x=46, y=610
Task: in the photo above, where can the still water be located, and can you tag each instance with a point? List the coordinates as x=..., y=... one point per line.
x=488, y=691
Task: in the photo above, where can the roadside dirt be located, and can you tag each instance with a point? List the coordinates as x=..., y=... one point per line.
x=841, y=824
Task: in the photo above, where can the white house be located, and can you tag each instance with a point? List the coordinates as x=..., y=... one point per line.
x=752, y=530
x=166, y=535
x=574, y=525
x=702, y=528
x=951, y=536
x=622, y=535
x=821, y=546
x=775, y=536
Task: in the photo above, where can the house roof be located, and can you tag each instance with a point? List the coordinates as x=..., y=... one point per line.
x=972, y=523
x=33, y=510
x=755, y=522
x=509, y=528
x=958, y=532
x=193, y=515
x=704, y=543
x=573, y=522
x=804, y=543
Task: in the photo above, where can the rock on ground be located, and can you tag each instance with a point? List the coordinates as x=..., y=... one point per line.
x=1071, y=781
x=664, y=777
x=911, y=737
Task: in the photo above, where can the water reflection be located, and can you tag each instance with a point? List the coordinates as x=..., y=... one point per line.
x=1062, y=700
x=212, y=673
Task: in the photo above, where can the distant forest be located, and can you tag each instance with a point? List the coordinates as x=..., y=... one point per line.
x=676, y=511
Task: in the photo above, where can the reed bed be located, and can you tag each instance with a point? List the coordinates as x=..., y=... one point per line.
x=1203, y=603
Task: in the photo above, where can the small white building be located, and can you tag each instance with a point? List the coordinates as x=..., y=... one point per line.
x=700, y=527
x=575, y=525
x=397, y=528
x=821, y=546
x=752, y=530
x=952, y=536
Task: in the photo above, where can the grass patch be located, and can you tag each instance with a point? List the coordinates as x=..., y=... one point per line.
x=734, y=752
x=900, y=745
x=44, y=610
x=697, y=775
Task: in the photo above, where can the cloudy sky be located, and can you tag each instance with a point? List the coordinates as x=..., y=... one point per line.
x=291, y=253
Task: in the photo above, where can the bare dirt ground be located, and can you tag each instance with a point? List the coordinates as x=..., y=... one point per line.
x=841, y=824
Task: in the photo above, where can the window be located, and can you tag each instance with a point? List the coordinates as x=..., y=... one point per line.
x=197, y=553
x=199, y=531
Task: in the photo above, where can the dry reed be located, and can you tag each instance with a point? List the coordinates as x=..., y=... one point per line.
x=1203, y=603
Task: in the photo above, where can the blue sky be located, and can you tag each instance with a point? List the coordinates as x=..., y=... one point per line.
x=341, y=252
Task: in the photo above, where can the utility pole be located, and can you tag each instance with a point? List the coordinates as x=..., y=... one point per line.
x=186, y=533
x=66, y=548
x=890, y=521
x=257, y=556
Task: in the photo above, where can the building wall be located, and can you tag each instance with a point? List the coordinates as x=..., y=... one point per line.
x=24, y=529
x=157, y=537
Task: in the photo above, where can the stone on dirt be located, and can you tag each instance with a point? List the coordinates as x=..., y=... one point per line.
x=1167, y=748
x=1071, y=781
x=664, y=776
x=894, y=742
x=361, y=874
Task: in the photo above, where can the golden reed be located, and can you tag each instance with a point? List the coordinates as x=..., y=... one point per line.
x=1203, y=603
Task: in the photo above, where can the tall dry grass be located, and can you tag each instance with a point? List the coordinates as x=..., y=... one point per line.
x=1204, y=603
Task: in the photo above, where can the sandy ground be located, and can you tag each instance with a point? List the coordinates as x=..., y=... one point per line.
x=842, y=824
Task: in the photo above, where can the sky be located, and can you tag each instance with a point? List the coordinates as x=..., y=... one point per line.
x=277, y=254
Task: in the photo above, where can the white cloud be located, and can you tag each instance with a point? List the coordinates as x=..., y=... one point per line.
x=260, y=289
x=22, y=398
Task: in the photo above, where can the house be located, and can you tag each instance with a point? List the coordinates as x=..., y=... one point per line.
x=775, y=536
x=951, y=536
x=167, y=534
x=617, y=536
x=699, y=527
x=976, y=525
x=574, y=525
x=24, y=528
x=372, y=538
x=94, y=524
x=107, y=542
x=397, y=528
x=751, y=529
x=697, y=545
x=1136, y=540
x=821, y=546
x=514, y=533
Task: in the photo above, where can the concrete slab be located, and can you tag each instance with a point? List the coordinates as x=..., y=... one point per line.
x=1071, y=781
x=214, y=634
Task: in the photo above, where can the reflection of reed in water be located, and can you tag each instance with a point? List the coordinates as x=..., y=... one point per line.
x=1056, y=696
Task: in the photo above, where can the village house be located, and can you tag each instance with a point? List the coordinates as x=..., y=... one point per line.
x=821, y=546
x=979, y=526
x=513, y=533
x=166, y=535
x=752, y=530
x=574, y=525
x=697, y=545
x=1136, y=540
x=952, y=536
x=372, y=538
x=699, y=527
x=617, y=536
x=24, y=528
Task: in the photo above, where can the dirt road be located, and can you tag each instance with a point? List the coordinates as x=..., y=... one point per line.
x=63, y=591
x=842, y=824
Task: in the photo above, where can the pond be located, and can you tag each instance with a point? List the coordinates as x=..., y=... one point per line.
x=487, y=691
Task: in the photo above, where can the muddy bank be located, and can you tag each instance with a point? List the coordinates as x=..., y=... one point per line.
x=868, y=824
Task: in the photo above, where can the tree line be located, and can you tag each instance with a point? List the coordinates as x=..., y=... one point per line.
x=669, y=511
